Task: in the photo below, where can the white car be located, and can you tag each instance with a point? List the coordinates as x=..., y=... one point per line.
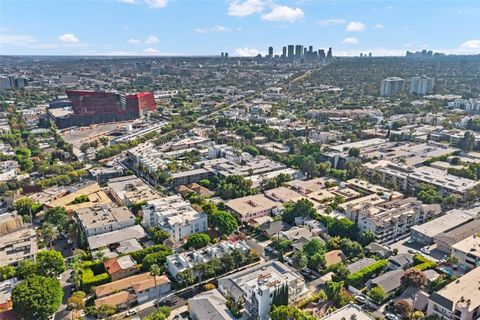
x=391, y=316
x=425, y=250
x=131, y=312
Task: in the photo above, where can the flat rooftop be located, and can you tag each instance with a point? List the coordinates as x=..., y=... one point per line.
x=449, y=221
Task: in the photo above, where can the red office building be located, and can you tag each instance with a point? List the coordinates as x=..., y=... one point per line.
x=91, y=107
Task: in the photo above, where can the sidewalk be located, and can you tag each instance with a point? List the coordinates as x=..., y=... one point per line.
x=177, y=312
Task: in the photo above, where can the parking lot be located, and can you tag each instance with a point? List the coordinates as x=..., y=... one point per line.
x=432, y=253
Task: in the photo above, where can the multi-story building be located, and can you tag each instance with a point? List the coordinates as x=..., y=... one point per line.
x=174, y=215
x=257, y=285
x=91, y=107
x=427, y=232
x=18, y=241
x=392, y=220
x=179, y=262
x=252, y=207
x=97, y=219
x=468, y=252
x=422, y=85
x=391, y=86
x=407, y=178
x=130, y=189
x=459, y=300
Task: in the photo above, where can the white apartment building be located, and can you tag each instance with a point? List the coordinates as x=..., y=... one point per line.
x=468, y=252
x=459, y=300
x=422, y=85
x=392, y=220
x=174, y=215
x=98, y=219
x=179, y=262
x=407, y=178
x=390, y=86
x=256, y=285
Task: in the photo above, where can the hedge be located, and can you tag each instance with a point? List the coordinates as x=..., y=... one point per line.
x=422, y=263
x=358, y=278
x=139, y=255
x=93, y=274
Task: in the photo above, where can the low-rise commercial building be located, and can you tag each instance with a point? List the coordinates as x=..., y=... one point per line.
x=130, y=190
x=446, y=240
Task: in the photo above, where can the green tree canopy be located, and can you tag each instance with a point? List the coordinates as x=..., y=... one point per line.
x=37, y=298
x=301, y=208
x=197, y=241
x=50, y=263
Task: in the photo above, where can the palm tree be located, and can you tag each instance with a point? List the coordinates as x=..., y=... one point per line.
x=49, y=233
x=155, y=271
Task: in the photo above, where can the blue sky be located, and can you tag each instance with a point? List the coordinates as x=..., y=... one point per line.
x=240, y=27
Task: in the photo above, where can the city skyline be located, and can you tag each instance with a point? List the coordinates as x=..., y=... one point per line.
x=239, y=27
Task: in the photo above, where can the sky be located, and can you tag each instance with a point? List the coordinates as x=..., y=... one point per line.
x=239, y=27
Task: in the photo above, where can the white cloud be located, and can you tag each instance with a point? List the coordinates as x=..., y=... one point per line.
x=128, y=1
x=248, y=52
x=151, y=51
x=133, y=41
x=17, y=39
x=151, y=40
x=238, y=8
x=68, y=38
x=331, y=22
x=216, y=28
x=389, y=7
x=379, y=26
x=350, y=40
x=355, y=26
x=157, y=3
x=470, y=44
x=284, y=13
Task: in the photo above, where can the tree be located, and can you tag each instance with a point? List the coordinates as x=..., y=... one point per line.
x=225, y=222
x=27, y=207
x=48, y=233
x=106, y=310
x=197, y=241
x=403, y=307
x=367, y=237
x=160, y=235
x=235, y=186
x=50, y=263
x=289, y=313
x=155, y=271
x=377, y=294
x=452, y=260
x=252, y=150
x=414, y=278
x=280, y=296
x=467, y=143
x=299, y=260
x=301, y=208
x=309, y=167
x=354, y=152
x=161, y=313
x=77, y=301
x=26, y=268
x=7, y=272
x=57, y=216
x=314, y=250
x=37, y=298
x=335, y=292
x=186, y=277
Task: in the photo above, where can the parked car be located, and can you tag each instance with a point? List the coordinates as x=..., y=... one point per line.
x=360, y=298
x=306, y=270
x=131, y=312
x=425, y=250
x=410, y=241
x=391, y=316
x=412, y=251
